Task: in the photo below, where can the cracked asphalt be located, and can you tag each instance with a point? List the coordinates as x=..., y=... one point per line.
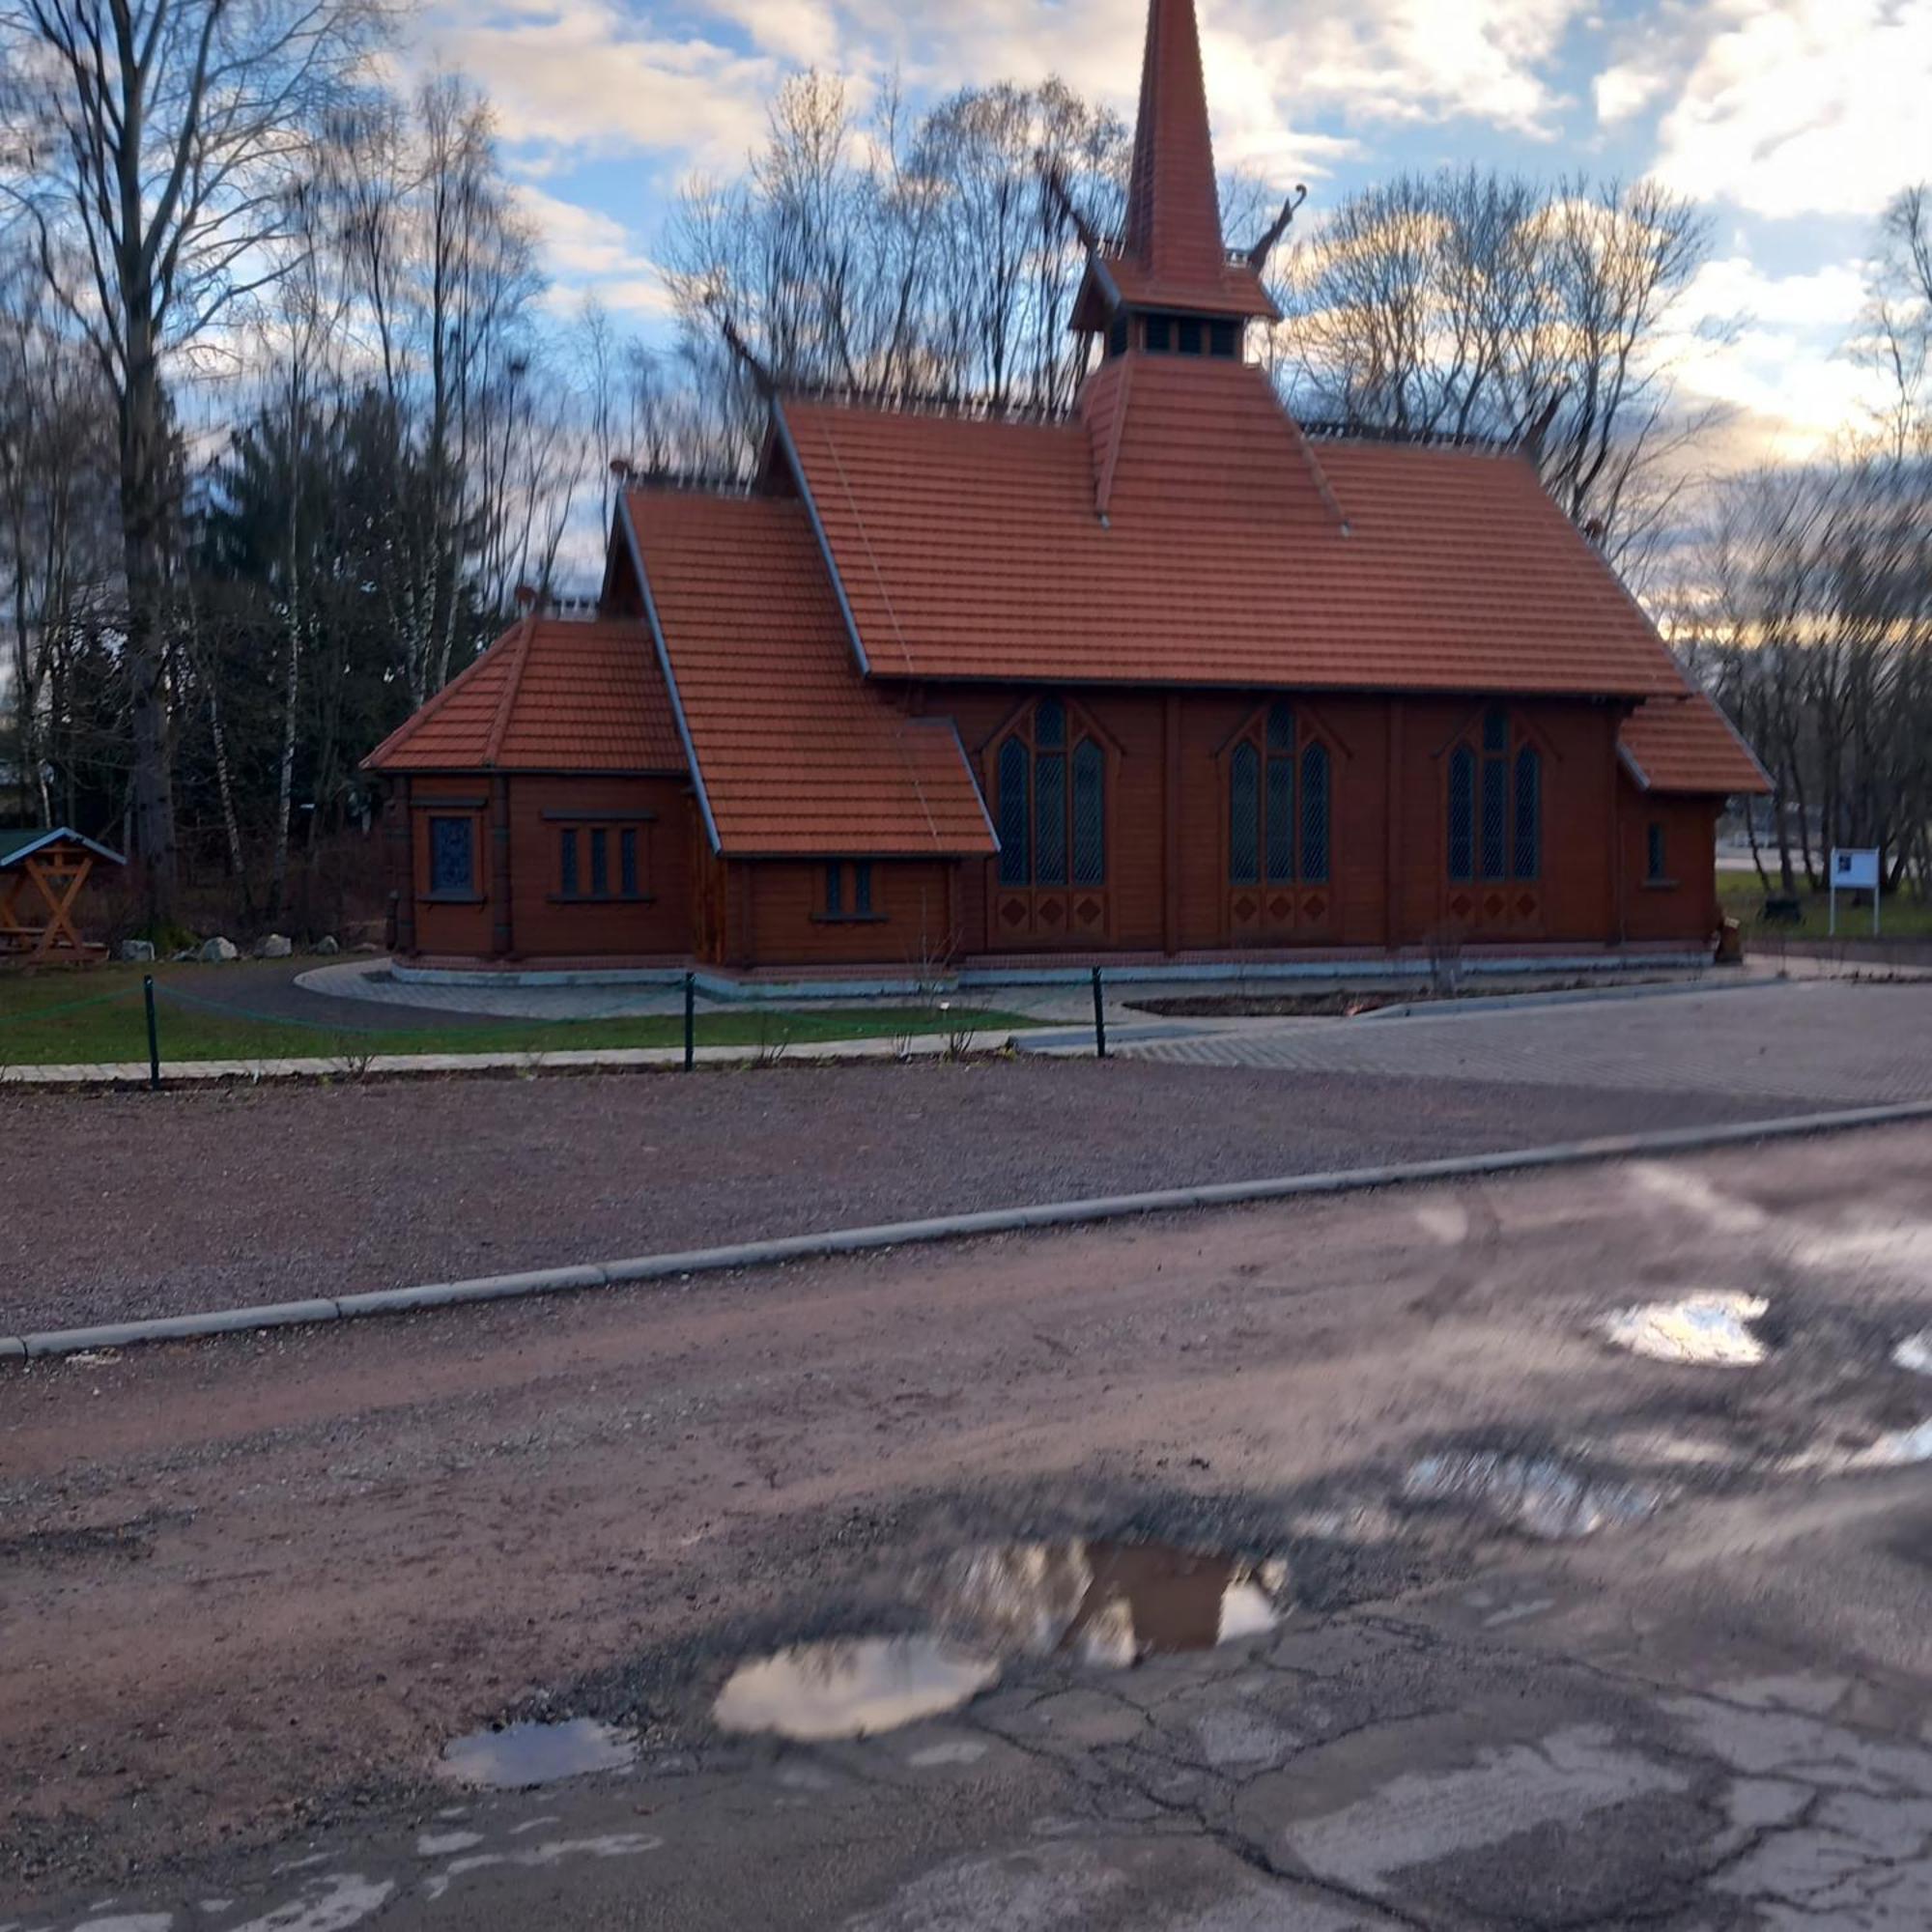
x=295, y=1567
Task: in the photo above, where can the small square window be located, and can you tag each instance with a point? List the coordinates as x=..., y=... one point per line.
x=1657, y=869
x=1190, y=337
x=1160, y=335
x=452, y=856
x=1224, y=339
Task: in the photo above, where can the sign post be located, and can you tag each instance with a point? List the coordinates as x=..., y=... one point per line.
x=1854, y=868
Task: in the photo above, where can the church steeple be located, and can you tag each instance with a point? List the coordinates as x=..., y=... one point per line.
x=1169, y=283
x=1174, y=210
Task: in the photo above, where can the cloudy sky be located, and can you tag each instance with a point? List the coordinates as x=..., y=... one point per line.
x=1792, y=121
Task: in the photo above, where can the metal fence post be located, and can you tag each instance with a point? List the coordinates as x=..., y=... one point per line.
x=1099, y=1019
x=690, y=1021
x=154, y=1036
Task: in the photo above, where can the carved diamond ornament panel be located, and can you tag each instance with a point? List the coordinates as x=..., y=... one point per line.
x=1525, y=905
x=1280, y=907
x=1315, y=906
x=1087, y=911
x=1244, y=907
x=1462, y=905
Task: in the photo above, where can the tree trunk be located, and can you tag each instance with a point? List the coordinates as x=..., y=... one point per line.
x=141, y=519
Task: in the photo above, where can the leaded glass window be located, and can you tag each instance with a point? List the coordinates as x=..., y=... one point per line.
x=1090, y=814
x=1049, y=808
x=1280, y=726
x=1052, y=819
x=1315, y=813
x=1495, y=730
x=1244, y=784
x=1495, y=818
x=1015, y=815
x=452, y=855
x=1528, y=853
x=1280, y=829
x=1462, y=813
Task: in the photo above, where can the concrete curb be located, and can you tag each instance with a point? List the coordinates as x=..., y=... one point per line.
x=946, y=1228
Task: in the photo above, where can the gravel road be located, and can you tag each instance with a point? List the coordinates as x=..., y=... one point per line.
x=129, y=1205
x=296, y=1565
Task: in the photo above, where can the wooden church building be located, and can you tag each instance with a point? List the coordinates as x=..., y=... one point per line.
x=1166, y=677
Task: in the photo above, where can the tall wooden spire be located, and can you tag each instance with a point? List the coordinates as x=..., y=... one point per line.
x=1174, y=210
x=1171, y=262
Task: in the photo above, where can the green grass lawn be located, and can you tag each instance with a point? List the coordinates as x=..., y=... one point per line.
x=95, y=1016
x=1742, y=897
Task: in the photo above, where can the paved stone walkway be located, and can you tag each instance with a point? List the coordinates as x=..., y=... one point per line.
x=1819, y=1039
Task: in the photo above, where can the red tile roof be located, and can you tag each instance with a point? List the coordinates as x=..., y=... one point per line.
x=796, y=755
x=549, y=694
x=1172, y=253
x=1229, y=550
x=1686, y=744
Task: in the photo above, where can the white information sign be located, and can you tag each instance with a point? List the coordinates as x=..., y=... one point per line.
x=1854, y=869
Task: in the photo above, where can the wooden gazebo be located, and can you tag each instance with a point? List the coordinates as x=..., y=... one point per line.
x=42, y=875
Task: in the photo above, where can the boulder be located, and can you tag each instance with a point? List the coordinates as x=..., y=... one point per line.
x=138, y=952
x=326, y=946
x=277, y=945
x=218, y=952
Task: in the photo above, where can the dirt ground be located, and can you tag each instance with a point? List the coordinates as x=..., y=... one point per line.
x=289, y=1568
x=128, y=1205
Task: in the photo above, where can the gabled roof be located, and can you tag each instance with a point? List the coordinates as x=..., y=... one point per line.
x=1229, y=550
x=549, y=694
x=795, y=756
x=18, y=847
x=1686, y=744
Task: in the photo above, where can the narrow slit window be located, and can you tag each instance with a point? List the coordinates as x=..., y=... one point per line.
x=567, y=875
x=600, y=862
x=1016, y=816
x=862, y=888
x=1657, y=870
x=1049, y=792
x=1281, y=819
x=1090, y=814
x=1461, y=814
x=1244, y=811
x=1495, y=818
x=835, y=891
x=627, y=862
x=1314, y=815
x=1528, y=840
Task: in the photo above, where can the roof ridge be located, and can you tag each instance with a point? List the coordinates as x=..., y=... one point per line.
x=1117, y=435
x=513, y=680
x=436, y=701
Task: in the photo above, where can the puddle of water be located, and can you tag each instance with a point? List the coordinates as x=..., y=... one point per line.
x=1915, y=1353
x=522, y=1756
x=1108, y=1603
x=851, y=1686
x=1538, y=1495
x=1712, y=1329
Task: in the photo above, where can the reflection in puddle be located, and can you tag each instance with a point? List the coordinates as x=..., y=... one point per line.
x=1109, y=1603
x=1915, y=1353
x=520, y=1757
x=850, y=1687
x=1536, y=1495
x=1713, y=1329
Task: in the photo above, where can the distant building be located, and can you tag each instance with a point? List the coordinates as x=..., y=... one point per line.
x=1165, y=676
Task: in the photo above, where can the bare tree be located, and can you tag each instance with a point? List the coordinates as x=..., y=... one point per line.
x=159, y=143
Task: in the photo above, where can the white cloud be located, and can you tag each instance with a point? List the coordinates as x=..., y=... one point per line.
x=1801, y=105
x=581, y=74
x=589, y=251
